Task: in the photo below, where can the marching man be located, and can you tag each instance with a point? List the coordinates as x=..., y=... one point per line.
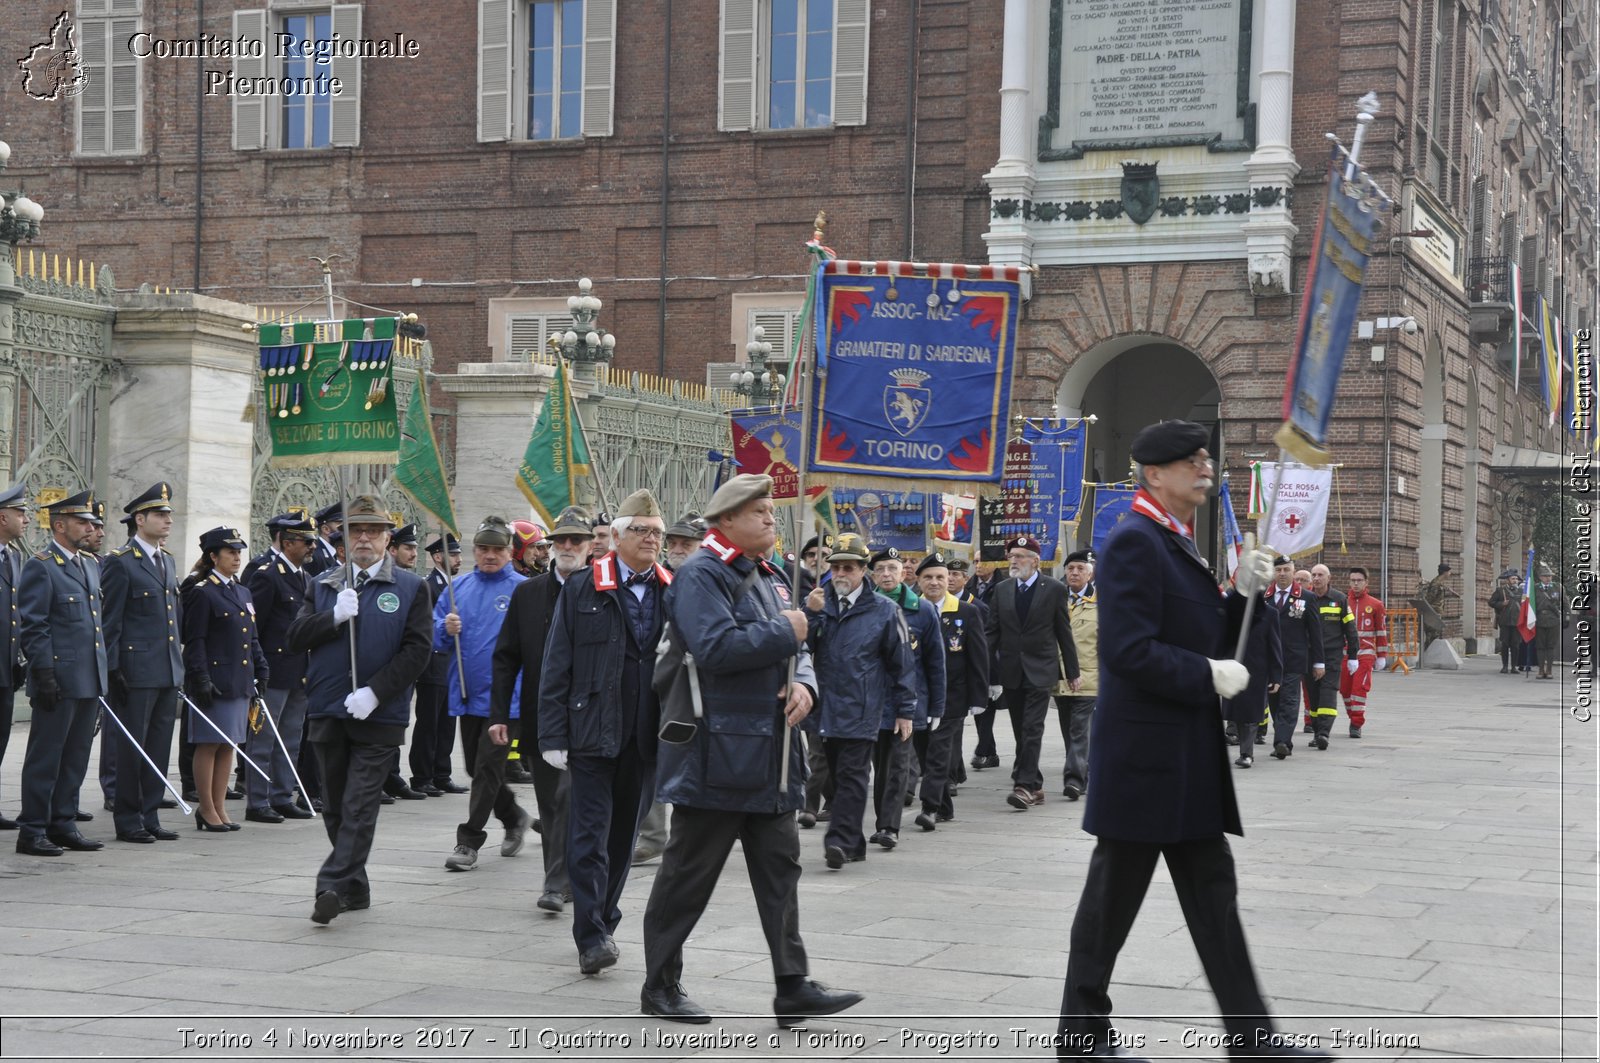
x=1372, y=630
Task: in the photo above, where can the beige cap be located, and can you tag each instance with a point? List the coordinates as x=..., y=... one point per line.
x=746, y=487
x=368, y=509
x=639, y=504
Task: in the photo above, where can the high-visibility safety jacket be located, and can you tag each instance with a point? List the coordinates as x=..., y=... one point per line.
x=1338, y=627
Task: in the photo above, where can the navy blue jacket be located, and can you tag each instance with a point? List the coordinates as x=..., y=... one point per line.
x=438, y=671
x=1157, y=753
x=582, y=684
x=394, y=639
x=1263, y=656
x=279, y=594
x=926, y=642
x=59, y=603
x=142, y=617
x=742, y=652
x=519, y=654
x=865, y=668
x=219, y=636
x=966, y=655
x=1299, y=631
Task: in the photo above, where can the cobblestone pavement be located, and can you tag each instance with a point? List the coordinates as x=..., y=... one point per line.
x=1428, y=889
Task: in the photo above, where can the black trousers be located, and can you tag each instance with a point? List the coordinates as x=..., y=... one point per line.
x=1510, y=646
x=148, y=714
x=354, y=756
x=186, y=753
x=696, y=852
x=490, y=794
x=8, y=700
x=984, y=722
x=1075, y=713
x=551, y=794
x=936, y=750
x=1285, y=706
x=1119, y=875
x=850, y=763
x=819, y=783
x=891, y=763
x=433, y=739
x=59, y=741
x=609, y=796
x=1028, y=708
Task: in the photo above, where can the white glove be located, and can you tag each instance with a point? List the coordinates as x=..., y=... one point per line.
x=977, y=709
x=1228, y=677
x=1383, y=664
x=361, y=703
x=933, y=724
x=347, y=605
x=556, y=758
x=1255, y=570
x=995, y=692
x=1352, y=666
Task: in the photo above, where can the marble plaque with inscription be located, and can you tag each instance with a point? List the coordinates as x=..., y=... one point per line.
x=1150, y=73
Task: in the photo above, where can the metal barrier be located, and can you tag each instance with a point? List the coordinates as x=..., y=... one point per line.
x=1405, y=639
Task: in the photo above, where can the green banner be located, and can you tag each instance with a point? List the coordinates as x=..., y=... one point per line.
x=556, y=454
x=420, y=473
x=330, y=403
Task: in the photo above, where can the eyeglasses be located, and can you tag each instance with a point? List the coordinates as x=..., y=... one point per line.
x=1202, y=464
x=646, y=533
x=365, y=531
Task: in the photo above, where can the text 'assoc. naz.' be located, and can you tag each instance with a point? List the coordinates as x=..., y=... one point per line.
x=283, y=47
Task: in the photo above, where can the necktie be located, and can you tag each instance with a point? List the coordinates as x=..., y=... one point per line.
x=1281, y=597
x=5, y=564
x=361, y=579
x=844, y=606
x=641, y=577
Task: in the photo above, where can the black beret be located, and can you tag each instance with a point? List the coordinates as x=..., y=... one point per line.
x=933, y=560
x=958, y=564
x=813, y=543
x=1158, y=444
x=1281, y=560
x=1086, y=556
x=887, y=553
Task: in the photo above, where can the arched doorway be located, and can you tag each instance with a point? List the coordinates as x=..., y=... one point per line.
x=1129, y=382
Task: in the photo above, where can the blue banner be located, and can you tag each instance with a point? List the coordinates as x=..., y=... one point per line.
x=1059, y=448
x=886, y=518
x=1343, y=242
x=913, y=375
x=1112, y=505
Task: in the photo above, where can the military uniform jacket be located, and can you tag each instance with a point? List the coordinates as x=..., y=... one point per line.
x=58, y=598
x=10, y=619
x=1038, y=652
x=1299, y=630
x=278, y=592
x=438, y=671
x=966, y=655
x=142, y=617
x=1339, y=637
x=219, y=636
x=1158, y=758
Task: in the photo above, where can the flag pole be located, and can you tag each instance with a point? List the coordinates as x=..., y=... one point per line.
x=801, y=371
x=577, y=420
x=344, y=490
x=450, y=592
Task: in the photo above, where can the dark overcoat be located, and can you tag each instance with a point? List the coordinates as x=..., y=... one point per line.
x=1156, y=749
x=1031, y=653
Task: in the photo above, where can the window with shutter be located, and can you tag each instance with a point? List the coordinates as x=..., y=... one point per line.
x=530, y=333
x=250, y=112
x=494, y=69
x=793, y=64
x=599, y=64
x=345, y=109
x=779, y=328
x=109, y=113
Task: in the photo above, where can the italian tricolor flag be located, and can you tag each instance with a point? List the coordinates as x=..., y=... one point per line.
x=1527, y=620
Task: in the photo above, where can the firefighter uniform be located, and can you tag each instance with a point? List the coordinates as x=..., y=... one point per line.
x=1372, y=635
x=1338, y=640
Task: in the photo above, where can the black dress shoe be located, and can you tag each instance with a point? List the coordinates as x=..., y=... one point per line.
x=406, y=793
x=1072, y=791
x=597, y=958
x=671, y=1003
x=519, y=775
x=138, y=837
x=263, y=815
x=926, y=821
x=832, y=855
x=162, y=834
x=355, y=903
x=385, y=799
x=191, y=796
x=291, y=812
x=886, y=838
x=550, y=901
x=942, y=818
x=811, y=1000
x=1280, y=750
x=167, y=802
x=806, y=818
x=7, y=824
x=235, y=794
x=83, y=817
x=429, y=789
x=450, y=786
x=76, y=842
x=325, y=907
x=37, y=845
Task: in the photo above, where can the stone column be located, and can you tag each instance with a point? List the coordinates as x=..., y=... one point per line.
x=496, y=406
x=178, y=412
x=1012, y=178
x=1270, y=230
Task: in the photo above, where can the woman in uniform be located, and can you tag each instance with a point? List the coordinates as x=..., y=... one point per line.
x=223, y=666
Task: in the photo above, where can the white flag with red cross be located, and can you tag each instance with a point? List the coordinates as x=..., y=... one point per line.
x=1301, y=514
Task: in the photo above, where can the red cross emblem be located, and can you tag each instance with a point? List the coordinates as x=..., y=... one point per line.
x=1292, y=520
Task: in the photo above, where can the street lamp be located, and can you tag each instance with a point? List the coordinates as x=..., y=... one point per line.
x=19, y=215
x=586, y=343
x=759, y=384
